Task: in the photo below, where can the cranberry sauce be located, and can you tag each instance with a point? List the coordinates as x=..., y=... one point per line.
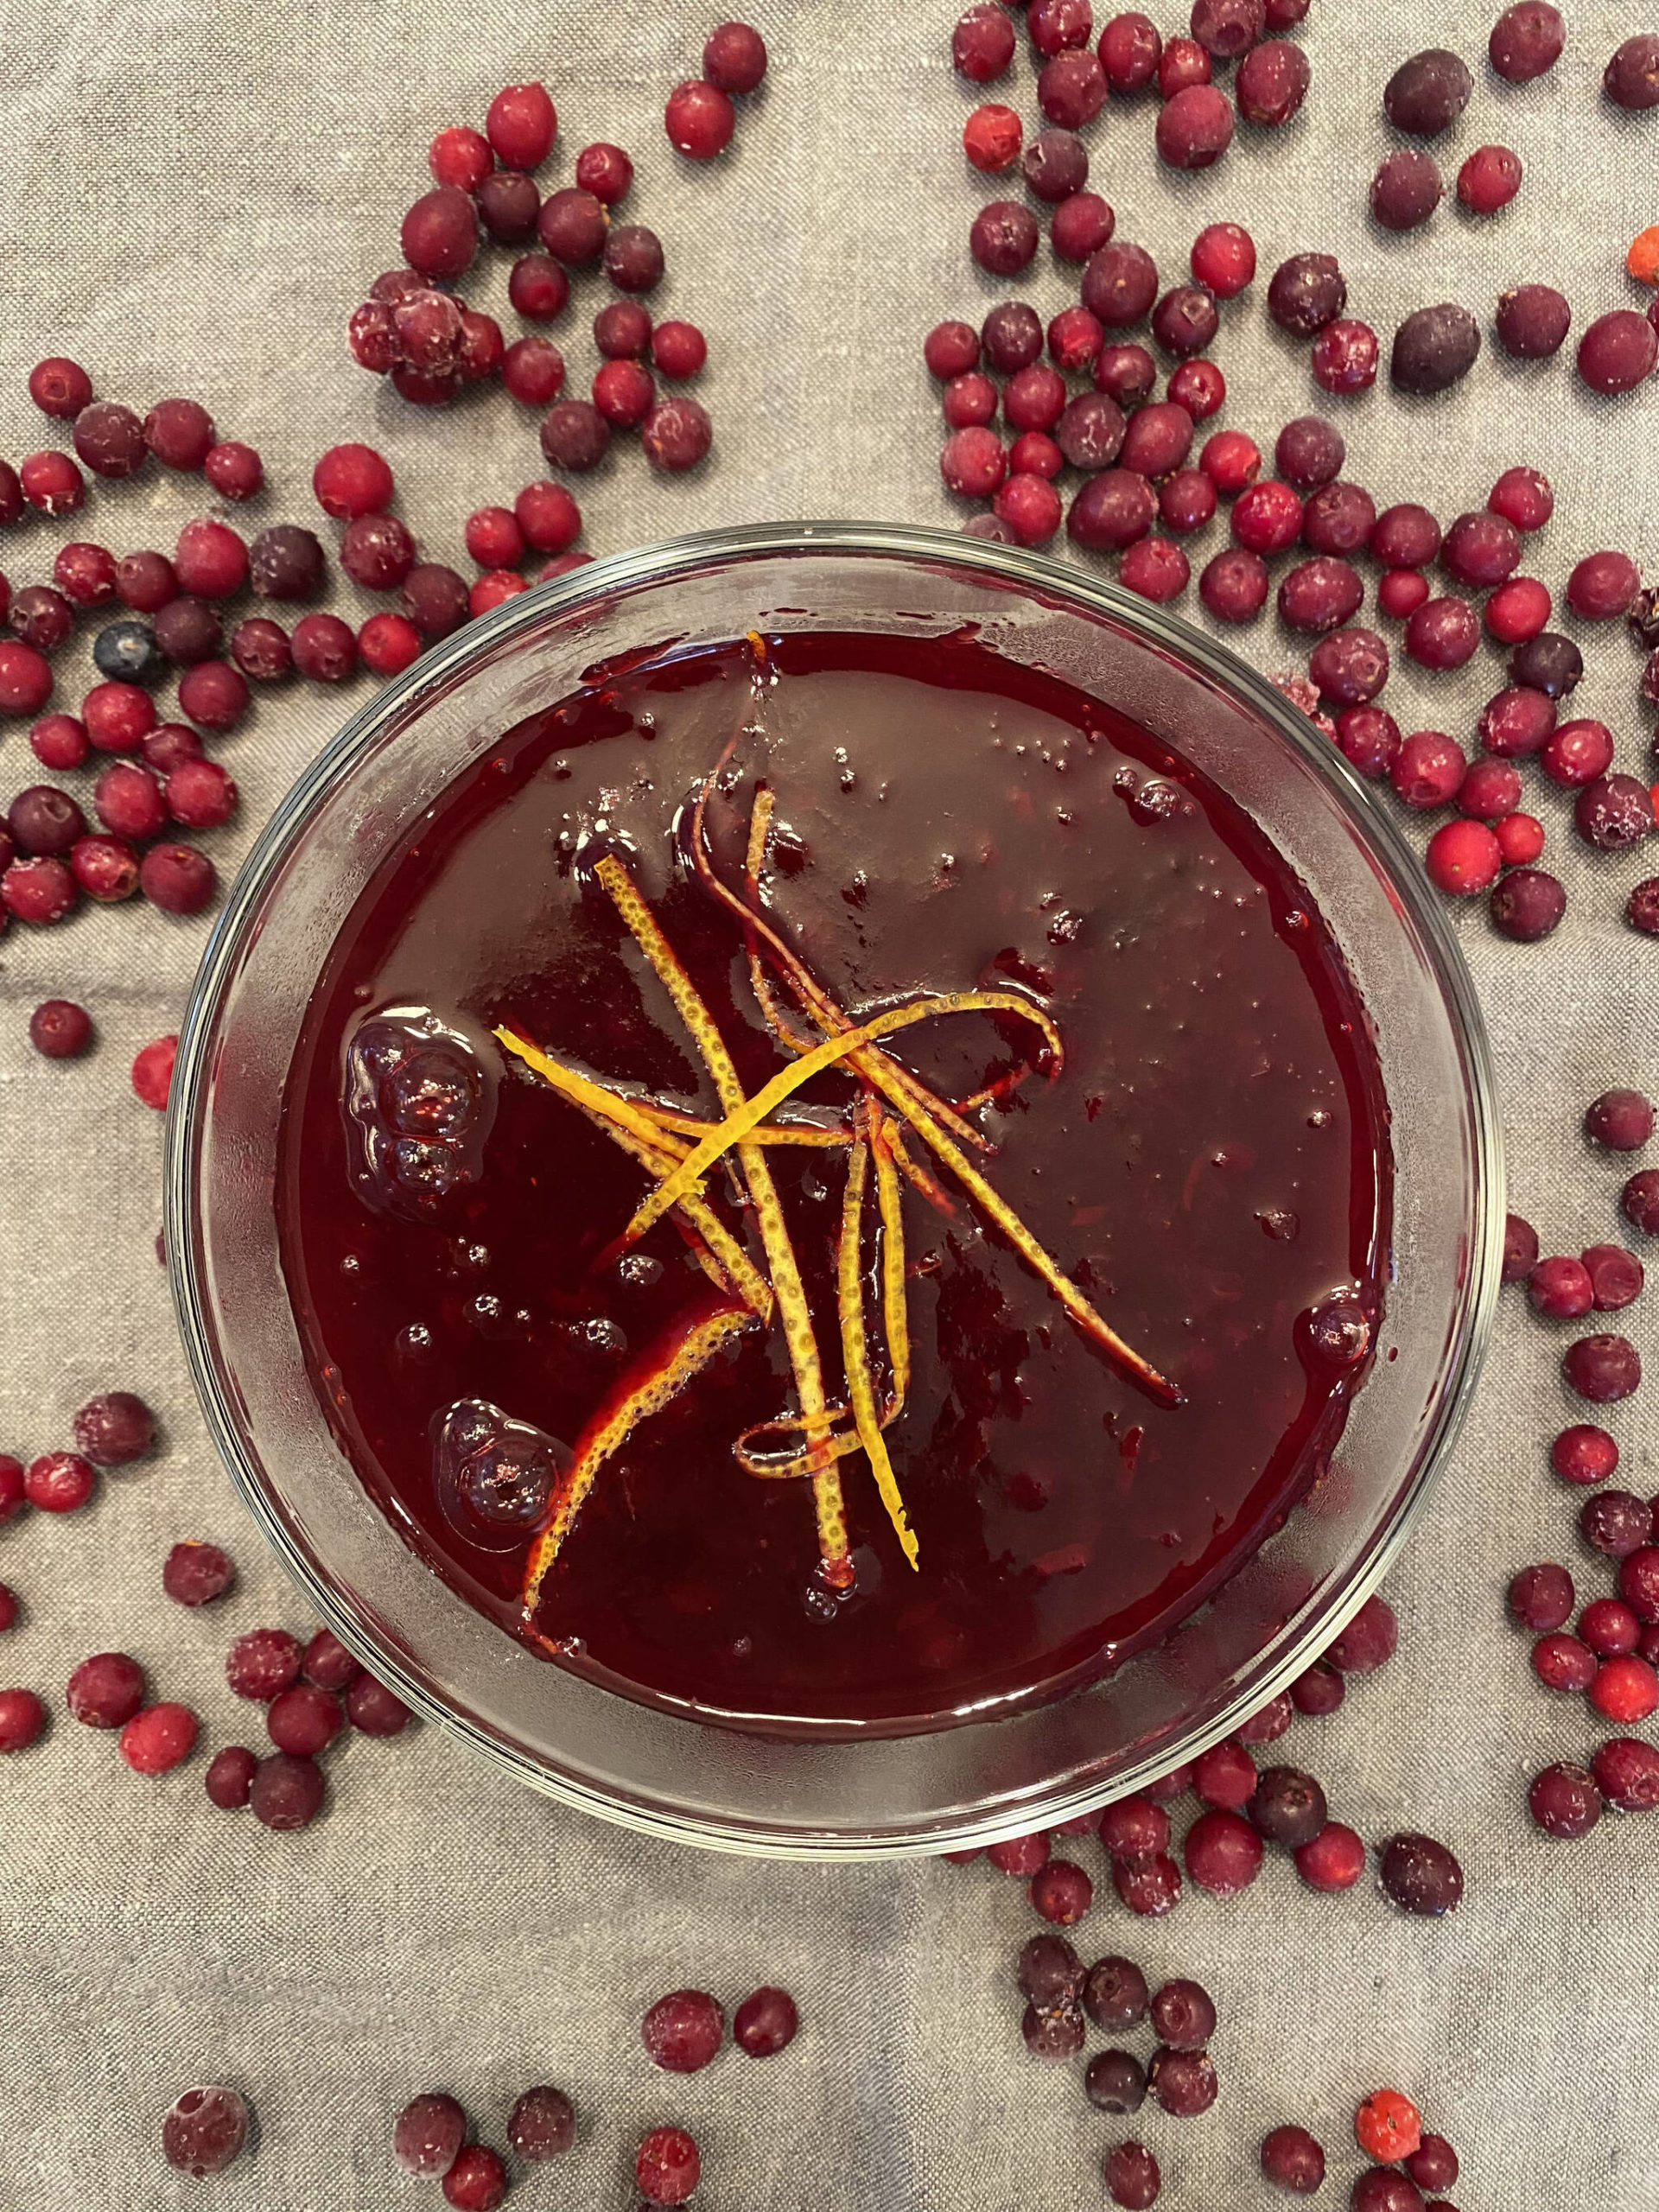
x=1209, y=1167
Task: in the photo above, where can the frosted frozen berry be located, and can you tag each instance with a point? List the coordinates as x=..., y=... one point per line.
x=1369, y=739
x=205, y=2130
x=508, y=204
x=435, y=599
x=194, y=1574
x=1150, y=1887
x=59, y=1030
x=521, y=124
x=262, y=650
x=59, y=1482
x=1608, y=1625
x=460, y=156
x=51, y=483
x=1113, y=510
x=286, y=562
x=1062, y=1893
x=1119, y=283
x=1186, y=501
x=84, y=573
x=1200, y=387
x=1491, y=789
x=159, y=1738
x=532, y=370
x=1115, y=2082
x=1639, y=1201
x=1080, y=226
x=1433, y=349
x=1623, y=1121
x=287, y=1792
x=1185, y=321
x=373, y=1710
x=1049, y=1972
x=25, y=679
x=42, y=618
x=1407, y=188
x=180, y=433
x=1272, y=83
x=1011, y=337
x=667, y=2166
x=1617, y=351
x=229, y=1779
x=1292, y=2159
x=543, y=2125
x=683, y=2030
x=1617, y=1276
x=106, y=1690
x=1626, y=1772
x=1132, y=2176
x=1526, y=41
x=699, y=119
x=1350, y=666
x=575, y=435
x=766, y=2023
x=304, y=1720
x=951, y=349
x=1154, y=568
x=1542, y=1598
x=1184, y=2082
x=1443, y=633
x=1182, y=63
x=1616, y=1523
x=263, y=1662
x=234, y=470
x=1489, y=180
x=1532, y=321
x=1548, y=663
x=678, y=350
x=1029, y=504
x=1481, y=548
x=982, y=44
x=991, y=138
x=1003, y=238
x=440, y=233
x=1306, y=292
x=1056, y=164
x=106, y=869
x=1345, y=356
x=109, y=438
x=39, y=891
x=1183, y=2015
x=1631, y=78
x=1421, y=1876
x=1223, y=259
x=633, y=258
x=1072, y=89
x=1604, y=1367
x=622, y=330
x=1195, y=128
x=1561, y=1662
x=1156, y=439
x=128, y=803
x=427, y=2135
x=1613, y=812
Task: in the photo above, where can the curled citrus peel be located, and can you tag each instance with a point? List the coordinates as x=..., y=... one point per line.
x=855, y=1350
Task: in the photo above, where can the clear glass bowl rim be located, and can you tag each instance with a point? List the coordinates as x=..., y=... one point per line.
x=658, y=563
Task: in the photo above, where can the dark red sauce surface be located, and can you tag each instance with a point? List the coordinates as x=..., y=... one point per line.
x=1211, y=1166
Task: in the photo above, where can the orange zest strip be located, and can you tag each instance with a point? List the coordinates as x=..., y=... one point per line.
x=781, y=1263
x=922, y=1179
x=783, y=1466
x=806, y=986
x=742, y=1117
x=895, y=1312
x=656, y=1152
x=781, y=1024
x=855, y=1350
x=670, y=1120
x=1032, y=1252
x=612, y=1426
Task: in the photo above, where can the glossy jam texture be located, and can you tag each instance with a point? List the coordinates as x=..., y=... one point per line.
x=1210, y=1167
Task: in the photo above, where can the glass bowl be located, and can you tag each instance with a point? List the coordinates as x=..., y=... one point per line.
x=631, y=1762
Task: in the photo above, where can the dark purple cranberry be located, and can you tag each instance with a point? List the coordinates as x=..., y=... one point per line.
x=1350, y=666
x=1183, y=2015
x=286, y=562
x=1405, y=536
x=1426, y=95
x=109, y=438
x=1631, y=78
x=1613, y=812
x=1616, y=1523
x=1306, y=292
x=229, y=1778
x=427, y=2135
x=508, y=205
x=1421, y=1876
x=1011, y=337
x=189, y=631
x=1321, y=593
x=1055, y=165
x=1491, y=789
x=1623, y=1121
x=1184, y=2082
x=1481, y=548
x=1186, y=501
x=1132, y=2176
x=1185, y=321
x=1049, y=1972
x=1443, y=633
x=1548, y=663
x=434, y=598
x=1603, y=586
x=304, y=1721
x=1114, y=1994
x=1055, y=2033
x=44, y=820
x=1072, y=89
x=1407, y=188
x=633, y=258
x=1338, y=518
x=1112, y=509
x=42, y=617
x=1119, y=283
x=1383, y=2188
x=1542, y=1598
x=1602, y=1368
x=1288, y=1808
x=1639, y=1201
x=1617, y=1276
x=1157, y=439
x=1642, y=908
x=683, y=2030
x=1234, y=585
x=1080, y=226
x=1617, y=351
x=1533, y=320
x=1564, y=1801
x=1526, y=41
x=1433, y=349
x=204, y=2132
x=106, y=1690
x=1125, y=373
x=1292, y=2159
x=194, y=1574
x=1627, y=1774
x=1528, y=904
x=1115, y=2082
x=573, y=226
x=113, y=1430
x=59, y=1030
x=1272, y=83
x=1195, y=128
x=982, y=44
x=543, y=2124
x=1520, y=1247
x=288, y=1792
x=675, y=435
x=327, y=1663
x=1003, y=238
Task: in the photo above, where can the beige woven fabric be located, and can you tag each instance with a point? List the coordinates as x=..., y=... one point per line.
x=196, y=196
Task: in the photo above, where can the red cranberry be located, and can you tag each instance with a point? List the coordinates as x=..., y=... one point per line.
x=981, y=46
x=1584, y=1454
x=1129, y=51
x=1222, y=1854
x=1542, y=1598
x=1157, y=439
x=325, y=648
x=1132, y=2176
x=1623, y=1121
x=373, y=1710
x=52, y=483
x=1272, y=83
x=304, y=1721
x=1112, y=510
x=477, y=2182
x=460, y=157
x=1526, y=41
x=1532, y=321
x=194, y=1574
x=1528, y=904
x=1155, y=569
x=1617, y=1276
x=1559, y=1289
x=1616, y=1523
x=622, y=330
x=1603, y=1368
x=543, y=2125
x=683, y=2030
x=84, y=573
x=1369, y=739
x=1443, y=633
x=388, y=644
x=1517, y=611
x=1195, y=128
x=1602, y=586
x=262, y=650
x=1072, y=89
x=42, y=618
x=951, y=349
x=1400, y=592
x=1133, y=1827
x=1338, y=518
x=1564, y=1801
x=1267, y=517
x=109, y=438
x=177, y=878
x=575, y=435
x=1223, y=259
x=39, y=892
x=1003, y=238
x=1639, y=1201
x=1184, y=2015
x=377, y=550
x=1370, y=1640
x=159, y=1738
x=521, y=123
x=1627, y=1774
x=1183, y=62
x=1184, y=2082
x=1056, y=26
x=25, y=679
x=1561, y=1662
x=1062, y=1893
x=234, y=470
x=205, y=2130
x=1034, y=396
x=1481, y=548
x=1613, y=812
x=128, y=803
x=1199, y=386
x=699, y=119
x=1292, y=2159
x=60, y=387
x=1464, y=858
x=969, y=401
x=667, y=2166
x=105, y=868
x=211, y=561
x=1224, y=1777
x=263, y=1662
x=509, y=203
x=1626, y=1689
x=435, y=599
x=973, y=463
x=1491, y=789
x=1150, y=1887
x=1055, y=165
x=180, y=433
x=229, y=1779
x=991, y=138
x=1234, y=585
x=1080, y=226
x=1030, y=506
x=1305, y=292
x=287, y=1792
x=427, y=2134
x=1345, y=356
x=1631, y=78
x=22, y=1718
x=766, y=2023
x=1489, y=180
x=59, y=1030
x=1119, y=283
x=1114, y=1994
x=1350, y=666
x=1407, y=188
x=59, y=1482
x=106, y=1690
x=1608, y=1625
x=440, y=233
x=1186, y=501
x=14, y=1490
